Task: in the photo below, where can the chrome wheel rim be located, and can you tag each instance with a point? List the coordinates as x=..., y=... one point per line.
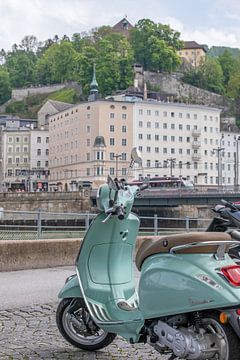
x=212, y=326
x=76, y=330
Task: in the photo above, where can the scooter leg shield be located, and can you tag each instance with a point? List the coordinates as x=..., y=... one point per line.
x=71, y=289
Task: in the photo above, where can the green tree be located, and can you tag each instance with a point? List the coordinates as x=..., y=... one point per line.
x=233, y=88
x=227, y=62
x=208, y=76
x=57, y=64
x=21, y=67
x=150, y=41
x=5, y=86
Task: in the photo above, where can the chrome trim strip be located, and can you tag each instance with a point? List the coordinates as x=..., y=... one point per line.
x=202, y=243
x=90, y=310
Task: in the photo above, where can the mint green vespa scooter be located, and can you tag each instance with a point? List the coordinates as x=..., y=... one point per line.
x=188, y=301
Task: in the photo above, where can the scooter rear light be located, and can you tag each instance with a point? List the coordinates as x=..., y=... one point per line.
x=232, y=273
x=238, y=311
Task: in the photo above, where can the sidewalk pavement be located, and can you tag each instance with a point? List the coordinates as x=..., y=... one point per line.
x=28, y=331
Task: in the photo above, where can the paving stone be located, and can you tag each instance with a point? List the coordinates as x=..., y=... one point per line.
x=30, y=333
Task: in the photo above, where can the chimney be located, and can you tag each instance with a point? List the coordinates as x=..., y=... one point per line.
x=145, y=91
x=135, y=83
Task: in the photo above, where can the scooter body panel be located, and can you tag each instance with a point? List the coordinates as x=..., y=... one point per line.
x=106, y=275
x=179, y=283
x=71, y=289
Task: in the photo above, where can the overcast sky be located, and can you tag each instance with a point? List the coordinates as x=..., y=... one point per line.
x=211, y=22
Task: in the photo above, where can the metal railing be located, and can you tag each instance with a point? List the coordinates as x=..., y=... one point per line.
x=30, y=225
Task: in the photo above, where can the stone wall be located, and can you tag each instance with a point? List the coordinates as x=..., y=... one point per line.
x=172, y=84
x=20, y=94
x=78, y=201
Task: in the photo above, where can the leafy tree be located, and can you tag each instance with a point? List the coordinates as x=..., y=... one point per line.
x=57, y=64
x=150, y=40
x=5, y=86
x=208, y=76
x=29, y=43
x=21, y=67
x=227, y=62
x=233, y=87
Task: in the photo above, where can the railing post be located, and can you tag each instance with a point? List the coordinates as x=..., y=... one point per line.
x=87, y=221
x=155, y=224
x=39, y=224
x=187, y=223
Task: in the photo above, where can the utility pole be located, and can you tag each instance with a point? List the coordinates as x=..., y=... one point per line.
x=172, y=162
x=117, y=156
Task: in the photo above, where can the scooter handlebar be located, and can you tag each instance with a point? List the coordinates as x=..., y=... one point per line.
x=120, y=213
x=235, y=235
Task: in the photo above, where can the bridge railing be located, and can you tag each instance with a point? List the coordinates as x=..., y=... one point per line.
x=24, y=225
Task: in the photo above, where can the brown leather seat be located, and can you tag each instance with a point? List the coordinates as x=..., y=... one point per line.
x=163, y=244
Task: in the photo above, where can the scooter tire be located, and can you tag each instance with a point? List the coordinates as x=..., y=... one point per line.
x=68, y=331
x=231, y=337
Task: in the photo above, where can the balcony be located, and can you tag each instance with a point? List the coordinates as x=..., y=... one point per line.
x=196, y=157
x=196, y=144
x=196, y=132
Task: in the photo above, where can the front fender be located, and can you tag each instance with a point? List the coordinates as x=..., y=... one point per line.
x=71, y=289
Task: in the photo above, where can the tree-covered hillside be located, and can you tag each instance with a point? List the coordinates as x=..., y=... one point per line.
x=59, y=60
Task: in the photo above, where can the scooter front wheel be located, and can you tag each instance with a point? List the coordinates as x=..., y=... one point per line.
x=77, y=327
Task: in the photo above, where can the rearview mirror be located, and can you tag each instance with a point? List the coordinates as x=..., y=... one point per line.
x=111, y=183
x=136, y=156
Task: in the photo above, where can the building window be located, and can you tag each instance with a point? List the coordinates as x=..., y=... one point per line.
x=140, y=111
x=46, y=163
x=165, y=126
x=124, y=171
x=111, y=128
x=148, y=112
x=88, y=142
x=112, y=115
x=124, y=116
x=156, y=125
x=47, y=140
x=156, y=113
x=180, y=127
x=88, y=172
x=88, y=156
x=188, y=116
x=148, y=136
x=157, y=150
x=17, y=149
x=124, y=156
x=17, y=139
x=112, y=141
x=38, y=151
x=39, y=140
x=148, y=149
x=112, y=170
x=156, y=137
x=172, y=114
x=148, y=124
x=180, y=115
x=164, y=137
x=148, y=163
x=124, y=142
x=124, y=128
x=164, y=114
x=38, y=164
x=140, y=136
x=140, y=123
x=10, y=172
x=10, y=139
x=112, y=155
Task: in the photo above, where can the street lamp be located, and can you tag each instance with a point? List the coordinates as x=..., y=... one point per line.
x=172, y=162
x=236, y=162
x=219, y=150
x=117, y=156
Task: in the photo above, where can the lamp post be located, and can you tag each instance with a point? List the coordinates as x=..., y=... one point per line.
x=219, y=150
x=117, y=156
x=236, y=158
x=172, y=162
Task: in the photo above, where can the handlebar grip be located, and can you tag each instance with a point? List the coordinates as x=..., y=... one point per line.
x=120, y=213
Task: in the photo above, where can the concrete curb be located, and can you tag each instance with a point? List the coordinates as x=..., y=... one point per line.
x=37, y=254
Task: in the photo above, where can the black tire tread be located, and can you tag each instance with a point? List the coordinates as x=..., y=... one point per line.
x=60, y=310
